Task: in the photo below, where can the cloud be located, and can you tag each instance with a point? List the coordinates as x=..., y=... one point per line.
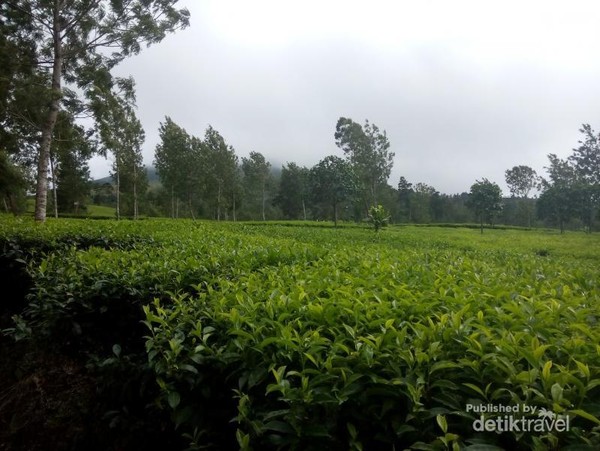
x=464, y=89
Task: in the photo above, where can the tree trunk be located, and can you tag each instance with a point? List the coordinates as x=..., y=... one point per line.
x=264, y=199
x=562, y=226
x=172, y=202
x=135, y=199
x=118, y=191
x=374, y=192
x=190, y=206
x=219, y=202
x=304, y=209
x=5, y=204
x=41, y=192
x=54, y=195
x=234, y=216
x=335, y=215
x=481, y=222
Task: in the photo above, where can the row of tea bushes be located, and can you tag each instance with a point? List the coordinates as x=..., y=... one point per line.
x=372, y=348
x=298, y=337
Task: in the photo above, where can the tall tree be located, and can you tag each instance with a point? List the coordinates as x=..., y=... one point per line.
x=171, y=156
x=22, y=86
x=521, y=180
x=367, y=149
x=421, y=202
x=293, y=191
x=560, y=198
x=78, y=42
x=332, y=182
x=586, y=161
x=405, y=193
x=121, y=133
x=257, y=172
x=220, y=167
x=13, y=185
x=485, y=199
x=133, y=178
x=70, y=152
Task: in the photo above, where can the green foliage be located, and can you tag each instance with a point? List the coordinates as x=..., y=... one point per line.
x=485, y=198
x=367, y=150
x=521, y=180
x=293, y=191
x=69, y=41
x=270, y=336
x=257, y=178
x=332, y=182
x=378, y=217
x=12, y=185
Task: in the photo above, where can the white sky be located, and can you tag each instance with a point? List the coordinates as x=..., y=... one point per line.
x=464, y=89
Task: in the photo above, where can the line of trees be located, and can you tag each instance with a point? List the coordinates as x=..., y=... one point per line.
x=207, y=177
x=54, y=58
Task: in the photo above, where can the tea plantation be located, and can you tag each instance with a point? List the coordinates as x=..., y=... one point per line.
x=189, y=335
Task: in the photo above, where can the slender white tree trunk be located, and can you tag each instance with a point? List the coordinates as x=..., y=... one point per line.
x=172, y=202
x=41, y=191
x=135, y=199
x=219, y=202
x=234, y=216
x=118, y=190
x=264, y=199
x=55, y=197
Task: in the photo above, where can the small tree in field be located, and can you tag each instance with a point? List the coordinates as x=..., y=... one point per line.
x=378, y=217
x=485, y=199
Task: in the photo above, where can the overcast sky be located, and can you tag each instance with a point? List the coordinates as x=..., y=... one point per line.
x=464, y=89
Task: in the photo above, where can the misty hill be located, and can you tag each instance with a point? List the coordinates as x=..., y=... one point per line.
x=150, y=171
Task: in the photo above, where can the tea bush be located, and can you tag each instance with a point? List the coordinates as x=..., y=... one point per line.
x=272, y=336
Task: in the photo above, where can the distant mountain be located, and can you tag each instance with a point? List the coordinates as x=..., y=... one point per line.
x=150, y=171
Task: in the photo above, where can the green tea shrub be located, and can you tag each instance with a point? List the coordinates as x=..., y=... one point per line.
x=276, y=337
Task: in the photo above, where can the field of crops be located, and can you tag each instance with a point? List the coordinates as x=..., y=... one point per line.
x=304, y=336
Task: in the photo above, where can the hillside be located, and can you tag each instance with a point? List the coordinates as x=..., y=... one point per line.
x=150, y=171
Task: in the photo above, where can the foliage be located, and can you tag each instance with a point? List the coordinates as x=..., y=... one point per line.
x=13, y=185
x=283, y=336
x=219, y=172
x=293, y=191
x=176, y=163
x=332, y=182
x=70, y=152
x=367, y=150
x=121, y=133
x=586, y=161
x=257, y=178
x=521, y=180
x=485, y=198
x=69, y=43
x=560, y=198
x=378, y=217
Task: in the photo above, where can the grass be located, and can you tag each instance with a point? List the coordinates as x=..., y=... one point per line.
x=100, y=211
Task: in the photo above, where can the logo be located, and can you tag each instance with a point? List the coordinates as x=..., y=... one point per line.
x=517, y=418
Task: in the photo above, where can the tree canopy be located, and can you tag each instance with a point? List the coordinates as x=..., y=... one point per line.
x=485, y=198
x=78, y=43
x=367, y=150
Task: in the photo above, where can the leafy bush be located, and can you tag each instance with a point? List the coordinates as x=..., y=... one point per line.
x=378, y=217
x=270, y=336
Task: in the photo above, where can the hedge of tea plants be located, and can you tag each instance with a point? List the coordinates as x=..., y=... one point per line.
x=269, y=336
